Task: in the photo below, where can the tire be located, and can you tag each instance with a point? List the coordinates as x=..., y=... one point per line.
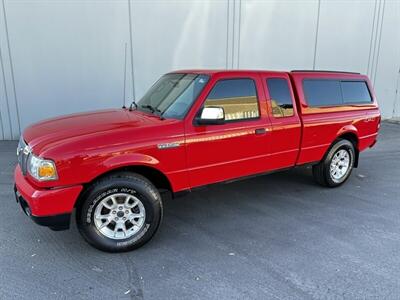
x=332, y=170
x=120, y=212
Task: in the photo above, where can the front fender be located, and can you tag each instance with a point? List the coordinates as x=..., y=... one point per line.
x=124, y=160
x=86, y=168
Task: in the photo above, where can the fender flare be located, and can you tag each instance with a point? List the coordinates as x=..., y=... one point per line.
x=350, y=130
x=131, y=159
x=347, y=129
x=128, y=160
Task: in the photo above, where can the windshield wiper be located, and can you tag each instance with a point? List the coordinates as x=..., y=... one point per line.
x=151, y=108
x=133, y=104
x=154, y=110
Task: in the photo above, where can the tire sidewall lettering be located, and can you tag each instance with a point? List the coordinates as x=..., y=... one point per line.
x=89, y=216
x=124, y=183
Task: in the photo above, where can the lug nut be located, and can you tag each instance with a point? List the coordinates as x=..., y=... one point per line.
x=127, y=211
x=124, y=218
x=116, y=219
x=120, y=208
x=114, y=212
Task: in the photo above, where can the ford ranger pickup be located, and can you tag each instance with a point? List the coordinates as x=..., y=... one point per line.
x=192, y=128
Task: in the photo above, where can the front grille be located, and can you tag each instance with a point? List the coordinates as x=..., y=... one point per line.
x=23, y=152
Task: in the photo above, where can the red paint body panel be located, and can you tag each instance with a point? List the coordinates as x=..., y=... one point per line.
x=107, y=140
x=85, y=146
x=221, y=152
x=322, y=125
x=286, y=131
x=46, y=202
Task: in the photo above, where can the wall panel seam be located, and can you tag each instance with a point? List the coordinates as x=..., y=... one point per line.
x=12, y=69
x=379, y=41
x=316, y=34
x=376, y=30
x=6, y=95
x=239, y=30
x=233, y=34
x=227, y=35
x=131, y=52
x=371, y=41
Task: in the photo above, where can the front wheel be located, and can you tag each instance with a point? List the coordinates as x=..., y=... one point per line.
x=337, y=165
x=120, y=213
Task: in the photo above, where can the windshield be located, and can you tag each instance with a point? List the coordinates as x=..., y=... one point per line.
x=173, y=94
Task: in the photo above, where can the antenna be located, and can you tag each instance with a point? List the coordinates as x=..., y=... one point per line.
x=123, y=100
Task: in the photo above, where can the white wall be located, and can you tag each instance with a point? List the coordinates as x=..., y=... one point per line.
x=344, y=35
x=278, y=35
x=67, y=56
x=61, y=57
x=386, y=74
x=170, y=35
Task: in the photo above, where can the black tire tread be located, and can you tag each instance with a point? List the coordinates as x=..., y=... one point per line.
x=139, y=179
x=321, y=170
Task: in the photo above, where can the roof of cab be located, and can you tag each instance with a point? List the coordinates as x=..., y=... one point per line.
x=222, y=71
x=303, y=72
x=323, y=71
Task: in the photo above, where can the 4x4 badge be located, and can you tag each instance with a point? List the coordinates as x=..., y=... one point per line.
x=168, y=145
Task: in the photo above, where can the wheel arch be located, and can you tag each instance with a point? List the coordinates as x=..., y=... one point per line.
x=351, y=136
x=154, y=175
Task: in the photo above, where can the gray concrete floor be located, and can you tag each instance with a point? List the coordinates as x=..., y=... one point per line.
x=276, y=236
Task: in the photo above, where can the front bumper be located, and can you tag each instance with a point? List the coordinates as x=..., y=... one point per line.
x=47, y=207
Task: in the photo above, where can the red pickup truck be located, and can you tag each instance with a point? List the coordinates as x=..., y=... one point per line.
x=192, y=128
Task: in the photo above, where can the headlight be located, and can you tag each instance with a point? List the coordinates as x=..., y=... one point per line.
x=41, y=169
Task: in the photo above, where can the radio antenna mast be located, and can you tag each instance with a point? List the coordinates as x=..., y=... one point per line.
x=123, y=100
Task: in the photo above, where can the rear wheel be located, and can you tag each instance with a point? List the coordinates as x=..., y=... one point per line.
x=120, y=213
x=337, y=164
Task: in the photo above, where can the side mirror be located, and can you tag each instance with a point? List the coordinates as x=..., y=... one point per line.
x=211, y=115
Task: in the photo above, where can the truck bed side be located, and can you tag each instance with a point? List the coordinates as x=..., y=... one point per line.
x=322, y=125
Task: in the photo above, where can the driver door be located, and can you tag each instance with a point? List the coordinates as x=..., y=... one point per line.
x=239, y=146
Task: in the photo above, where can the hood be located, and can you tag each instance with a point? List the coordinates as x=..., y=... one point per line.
x=61, y=129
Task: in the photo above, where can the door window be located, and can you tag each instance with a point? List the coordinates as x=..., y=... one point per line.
x=238, y=98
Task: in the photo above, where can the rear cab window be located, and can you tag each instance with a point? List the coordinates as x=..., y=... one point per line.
x=281, y=98
x=335, y=92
